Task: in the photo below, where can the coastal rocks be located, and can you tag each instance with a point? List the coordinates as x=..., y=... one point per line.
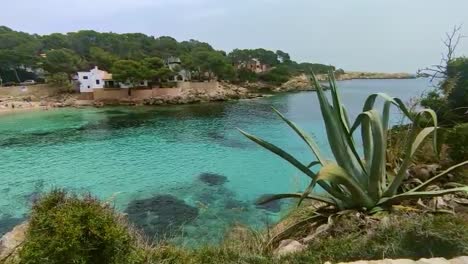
x=160, y=216
x=10, y=242
x=212, y=179
x=298, y=83
x=289, y=246
x=368, y=75
x=222, y=92
x=423, y=171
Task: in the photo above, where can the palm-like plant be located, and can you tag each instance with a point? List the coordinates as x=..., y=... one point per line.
x=352, y=181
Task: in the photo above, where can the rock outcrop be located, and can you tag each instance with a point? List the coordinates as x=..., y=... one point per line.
x=12, y=240
x=224, y=92
x=297, y=83
x=289, y=246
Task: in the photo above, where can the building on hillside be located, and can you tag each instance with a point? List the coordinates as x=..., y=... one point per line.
x=254, y=65
x=175, y=64
x=93, y=79
x=99, y=79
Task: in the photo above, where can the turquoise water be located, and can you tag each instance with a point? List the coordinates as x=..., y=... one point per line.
x=151, y=158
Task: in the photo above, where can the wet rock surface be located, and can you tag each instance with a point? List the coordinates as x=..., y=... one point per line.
x=160, y=216
x=10, y=242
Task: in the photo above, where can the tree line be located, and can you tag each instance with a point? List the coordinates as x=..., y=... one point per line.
x=136, y=56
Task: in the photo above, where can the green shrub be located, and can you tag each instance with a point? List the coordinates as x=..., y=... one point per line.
x=244, y=75
x=60, y=80
x=457, y=141
x=277, y=75
x=71, y=229
x=437, y=102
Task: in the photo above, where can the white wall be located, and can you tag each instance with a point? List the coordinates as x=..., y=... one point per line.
x=91, y=80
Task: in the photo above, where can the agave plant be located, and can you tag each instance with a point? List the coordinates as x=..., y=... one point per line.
x=353, y=181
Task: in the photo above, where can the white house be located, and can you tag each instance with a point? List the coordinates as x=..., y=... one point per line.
x=94, y=79
x=99, y=79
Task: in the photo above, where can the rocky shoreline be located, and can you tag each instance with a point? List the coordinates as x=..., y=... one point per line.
x=371, y=76
x=224, y=92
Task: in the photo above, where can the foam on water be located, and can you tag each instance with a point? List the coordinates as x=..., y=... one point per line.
x=188, y=162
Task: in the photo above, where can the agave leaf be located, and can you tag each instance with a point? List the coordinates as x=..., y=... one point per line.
x=336, y=174
x=370, y=102
x=335, y=192
x=283, y=154
x=311, y=185
x=338, y=136
x=346, y=118
x=307, y=139
x=375, y=138
x=420, y=138
x=419, y=195
x=445, y=172
x=275, y=197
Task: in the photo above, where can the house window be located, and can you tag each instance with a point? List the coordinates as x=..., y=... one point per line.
x=98, y=82
x=85, y=77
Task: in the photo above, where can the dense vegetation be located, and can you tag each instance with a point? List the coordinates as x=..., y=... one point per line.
x=67, y=228
x=450, y=99
x=134, y=54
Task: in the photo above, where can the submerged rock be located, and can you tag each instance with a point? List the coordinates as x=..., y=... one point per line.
x=213, y=179
x=273, y=206
x=160, y=216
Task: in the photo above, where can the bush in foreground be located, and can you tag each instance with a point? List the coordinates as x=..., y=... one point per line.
x=70, y=229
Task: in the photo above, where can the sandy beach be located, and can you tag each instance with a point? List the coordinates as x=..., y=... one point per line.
x=11, y=107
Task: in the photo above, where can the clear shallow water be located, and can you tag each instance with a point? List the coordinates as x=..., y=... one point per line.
x=128, y=154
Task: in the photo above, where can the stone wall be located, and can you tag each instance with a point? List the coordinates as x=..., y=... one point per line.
x=167, y=92
x=141, y=94
x=110, y=94
x=199, y=86
x=38, y=90
x=206, y=88
x=86, y=96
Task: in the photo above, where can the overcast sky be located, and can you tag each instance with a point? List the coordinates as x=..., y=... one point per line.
x=368, y=35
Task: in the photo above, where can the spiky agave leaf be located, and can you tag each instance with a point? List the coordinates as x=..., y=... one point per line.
x=283, y=154
x=386, y=201
x=338, y=137
x=307, y=139
x=333, y=173
x=274, y=197
x=375, y=137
